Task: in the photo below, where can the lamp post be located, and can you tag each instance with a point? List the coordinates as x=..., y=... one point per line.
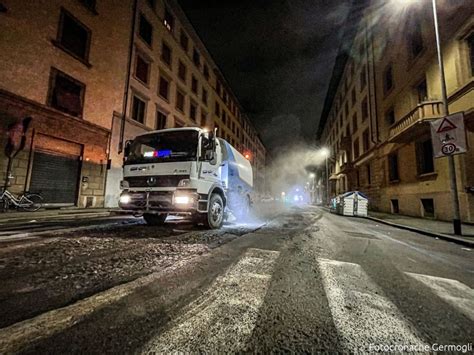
x=325, y=153
x=457, y=227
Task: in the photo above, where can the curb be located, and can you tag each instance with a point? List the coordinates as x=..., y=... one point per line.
x=446, y=237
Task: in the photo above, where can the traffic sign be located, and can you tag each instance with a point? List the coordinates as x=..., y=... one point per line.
x=448, y=135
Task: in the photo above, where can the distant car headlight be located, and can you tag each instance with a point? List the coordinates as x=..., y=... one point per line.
x=184, y=183
x=125, y=199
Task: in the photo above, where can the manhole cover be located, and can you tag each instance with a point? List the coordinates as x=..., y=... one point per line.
x=361, y=235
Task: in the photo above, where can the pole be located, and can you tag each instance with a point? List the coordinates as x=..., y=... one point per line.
x=327, y=181
x=452, y=167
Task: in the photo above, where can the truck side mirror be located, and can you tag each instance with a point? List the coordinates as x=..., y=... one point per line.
x=127, y=148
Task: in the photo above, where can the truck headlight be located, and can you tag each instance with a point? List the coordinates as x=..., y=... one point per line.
x=125, y=199
x=184, y=183
x=183, y=200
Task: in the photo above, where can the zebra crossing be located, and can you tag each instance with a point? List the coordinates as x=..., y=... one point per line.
x=224, y=317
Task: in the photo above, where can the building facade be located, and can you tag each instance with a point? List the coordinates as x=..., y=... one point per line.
x=174, y=82
x=92, y=74
x=63, y=64
x=384, y=91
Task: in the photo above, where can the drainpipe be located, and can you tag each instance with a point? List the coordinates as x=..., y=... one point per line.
x=372, y=102
x=127, y=80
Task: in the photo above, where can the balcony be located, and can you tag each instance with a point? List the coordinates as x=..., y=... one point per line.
x=415, y=123
x=345, y=168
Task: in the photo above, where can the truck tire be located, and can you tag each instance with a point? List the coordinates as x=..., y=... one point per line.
x=215, y=212
x=154, y=219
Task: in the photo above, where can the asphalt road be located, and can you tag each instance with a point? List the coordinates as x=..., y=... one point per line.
x=297, y=279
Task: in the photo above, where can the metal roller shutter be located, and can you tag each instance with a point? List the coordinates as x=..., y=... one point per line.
x=56, y=177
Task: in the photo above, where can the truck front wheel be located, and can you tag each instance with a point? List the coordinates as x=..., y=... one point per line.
x=154, y=219
x=215, y=212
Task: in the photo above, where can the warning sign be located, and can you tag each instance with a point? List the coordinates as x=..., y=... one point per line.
x=448, y=135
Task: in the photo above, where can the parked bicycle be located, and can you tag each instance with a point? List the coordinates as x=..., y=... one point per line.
x=27, y=201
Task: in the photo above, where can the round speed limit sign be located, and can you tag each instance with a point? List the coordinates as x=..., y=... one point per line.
x=448, y=148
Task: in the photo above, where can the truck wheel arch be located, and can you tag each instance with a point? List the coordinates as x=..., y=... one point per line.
x=220, y=191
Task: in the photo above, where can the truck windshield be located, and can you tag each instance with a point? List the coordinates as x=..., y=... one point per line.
x=163, y=147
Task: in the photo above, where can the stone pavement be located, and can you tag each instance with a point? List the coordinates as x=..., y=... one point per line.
x=434, y=228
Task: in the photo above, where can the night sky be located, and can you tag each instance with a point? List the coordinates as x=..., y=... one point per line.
x=277, y=57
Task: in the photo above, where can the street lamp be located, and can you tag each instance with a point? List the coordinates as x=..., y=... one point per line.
x=452, y=168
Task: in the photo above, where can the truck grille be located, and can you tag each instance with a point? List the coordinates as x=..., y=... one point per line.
x=155, y=180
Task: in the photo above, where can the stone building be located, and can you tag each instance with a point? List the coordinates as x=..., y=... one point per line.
x=384, y=90
x=92, y=74
x=63, y=64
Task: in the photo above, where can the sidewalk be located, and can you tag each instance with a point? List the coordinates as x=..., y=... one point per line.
x=54, y=214
x=432, y=228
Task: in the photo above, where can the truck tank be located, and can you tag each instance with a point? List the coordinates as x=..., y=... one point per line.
x=236, y=171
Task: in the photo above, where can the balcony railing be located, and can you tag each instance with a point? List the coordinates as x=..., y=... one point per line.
x=415, y=121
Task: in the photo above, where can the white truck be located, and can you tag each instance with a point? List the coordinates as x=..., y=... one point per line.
x=185, y=171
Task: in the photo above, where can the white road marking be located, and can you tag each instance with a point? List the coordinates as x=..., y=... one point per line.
x=361, y=313
x=17, y=336
x=223, y=318
x=457, y=294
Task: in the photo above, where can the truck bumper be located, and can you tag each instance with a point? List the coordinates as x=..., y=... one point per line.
x=163, y=202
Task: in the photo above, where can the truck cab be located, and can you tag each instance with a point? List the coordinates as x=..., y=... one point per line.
x=185, y=171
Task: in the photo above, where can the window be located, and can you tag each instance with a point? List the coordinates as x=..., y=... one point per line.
x=184, y=41
x=470, y=43
x=138, y=109
x=182, y=71
x=395, y=206
x=164, y=88
x=66, y=93
x=354, y=122
x=428, y=207
x=369, y=174
x=218, y=87
x=166, y=54
x=206, y=71
x=356, y=148
x=422, y=91
x=152, y=3
x=393, y=174
x=193, y=110
x=73, y=36
x=196, y=58
x=203, y=118
x=364, y=109
x=168, y=20
x=142, y=69
x=346, y=108
x=224, y=117
x=390, y=116
x=194, y=84
x=363, y=78
x=217, y=110
x=388, y=79
x=354, y=98
x=179, y=100
x=160, y=120
x=365, y=141
x=424, y=157
x=204, y=96
x=416, y=40
x=90, y=4
x=145, y=30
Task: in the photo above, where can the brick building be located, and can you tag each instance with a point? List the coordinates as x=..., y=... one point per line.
x=384, y=89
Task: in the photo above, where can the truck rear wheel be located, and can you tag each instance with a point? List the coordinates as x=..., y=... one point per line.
x=154, y=219
x=215, y=212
